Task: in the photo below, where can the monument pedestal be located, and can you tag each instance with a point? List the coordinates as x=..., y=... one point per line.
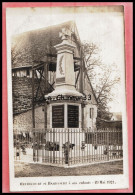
x=65, y=117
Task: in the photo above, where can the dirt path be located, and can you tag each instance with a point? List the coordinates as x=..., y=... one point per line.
x=38, y=170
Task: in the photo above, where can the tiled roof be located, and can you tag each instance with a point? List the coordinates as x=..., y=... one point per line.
x=117, y=116
x=33, y=45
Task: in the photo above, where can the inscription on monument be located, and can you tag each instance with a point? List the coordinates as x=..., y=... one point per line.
x=58, y=116
x=73, y=116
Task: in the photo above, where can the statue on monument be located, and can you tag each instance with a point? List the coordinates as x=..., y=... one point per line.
x=65, y=34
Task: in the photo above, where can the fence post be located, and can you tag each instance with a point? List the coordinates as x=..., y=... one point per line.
x=107, y=144
x=53, y=145
x=68, y=146
x=34, y=151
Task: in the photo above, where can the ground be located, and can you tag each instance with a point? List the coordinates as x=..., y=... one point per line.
x=39, y=170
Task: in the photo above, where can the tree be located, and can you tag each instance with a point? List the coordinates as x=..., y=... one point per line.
x=91, y=57
x=105, y=90
x=104, y=78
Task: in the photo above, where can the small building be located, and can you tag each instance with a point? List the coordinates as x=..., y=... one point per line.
x=116, y=116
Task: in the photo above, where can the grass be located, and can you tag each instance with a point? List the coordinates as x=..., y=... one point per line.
x=39, y=170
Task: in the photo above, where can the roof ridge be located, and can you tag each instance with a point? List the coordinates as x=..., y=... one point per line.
x=44, y=28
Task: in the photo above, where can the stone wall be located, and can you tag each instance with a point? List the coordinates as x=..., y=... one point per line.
x=23, y=121
x=22, y=93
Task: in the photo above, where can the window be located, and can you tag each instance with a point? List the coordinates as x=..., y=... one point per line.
x=28, y=72
x=91, y=112
x=15, y=73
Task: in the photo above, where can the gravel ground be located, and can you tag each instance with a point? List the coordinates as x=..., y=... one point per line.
x=38, y=170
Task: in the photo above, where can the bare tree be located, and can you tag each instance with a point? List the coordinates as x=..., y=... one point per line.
x=104, y=78
x=106, y=88
x=91, y=57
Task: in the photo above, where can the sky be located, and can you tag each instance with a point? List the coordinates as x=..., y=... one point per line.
x=101, y=25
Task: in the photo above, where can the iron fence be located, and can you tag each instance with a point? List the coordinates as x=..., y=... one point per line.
x=68, y=146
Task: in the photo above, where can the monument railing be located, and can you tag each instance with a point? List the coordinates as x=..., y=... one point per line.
x=68, y=146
